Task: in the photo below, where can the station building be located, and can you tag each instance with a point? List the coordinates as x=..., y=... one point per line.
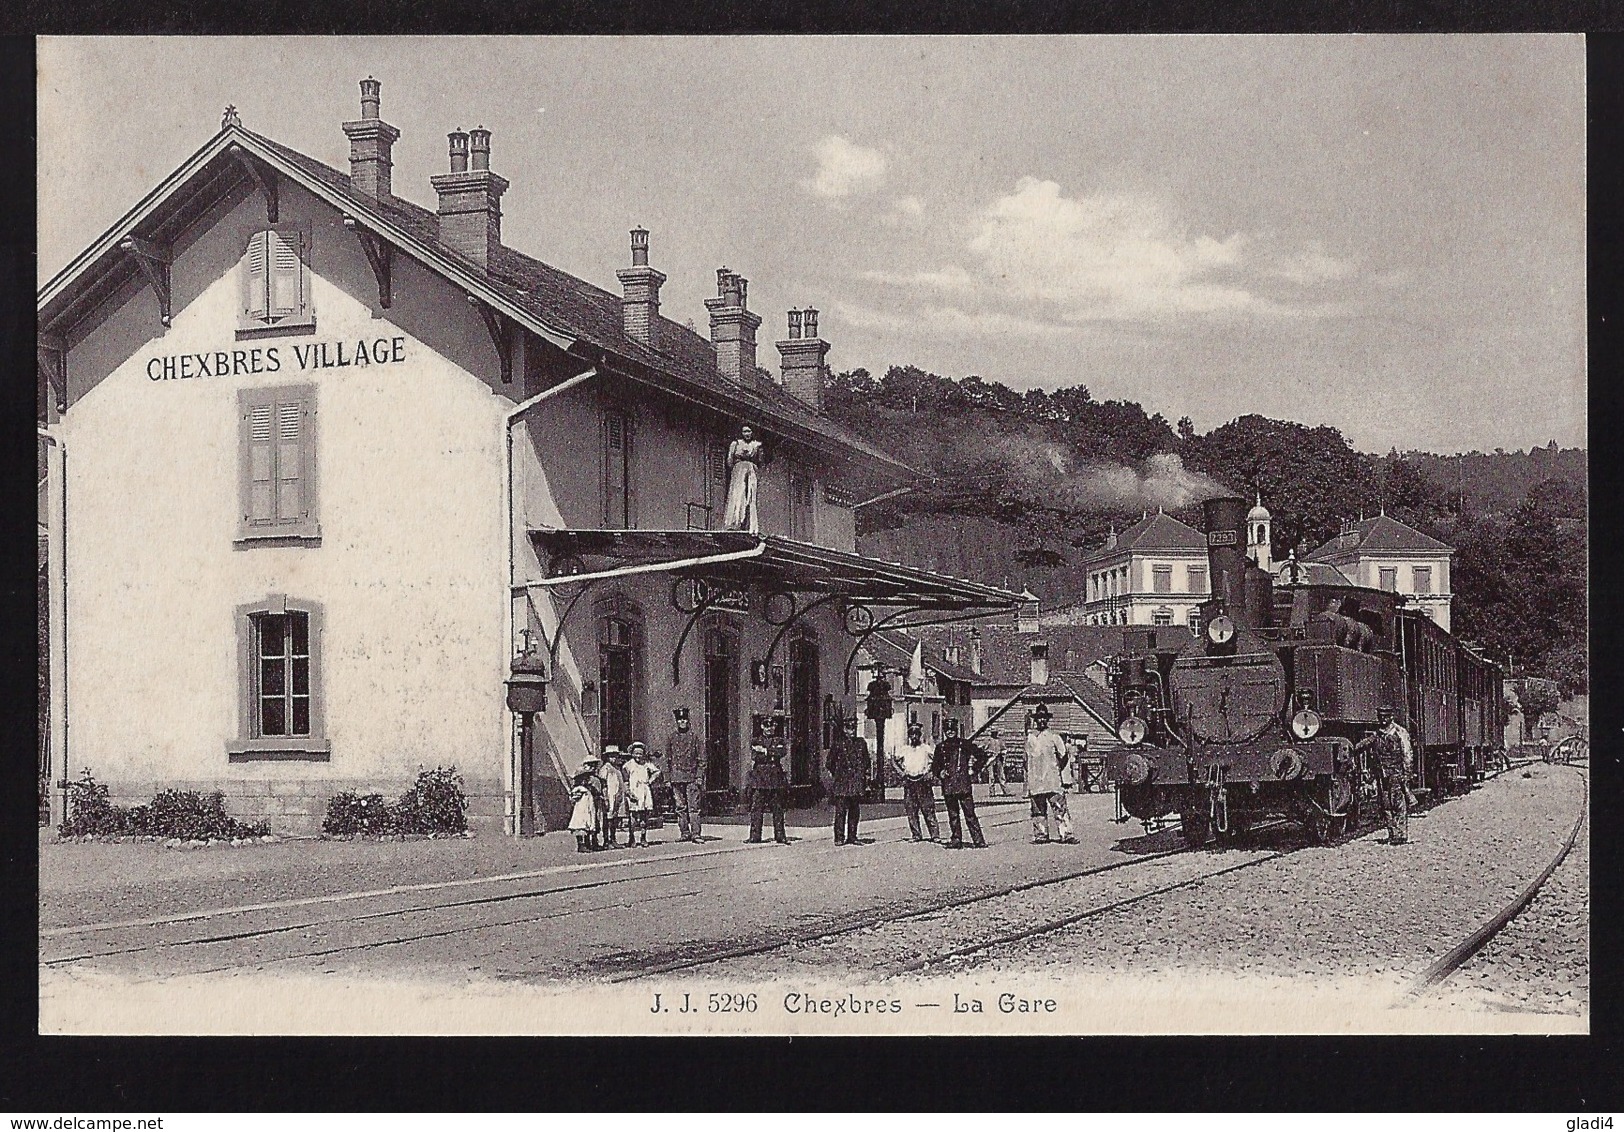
x=323, y=462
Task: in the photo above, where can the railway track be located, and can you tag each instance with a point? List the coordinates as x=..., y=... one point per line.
x=1453, y=959
x=826, y=934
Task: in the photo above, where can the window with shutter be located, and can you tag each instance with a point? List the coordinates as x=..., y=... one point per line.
x=617, y=468
x=278, y=463
x=276, y=281
x=282, y=713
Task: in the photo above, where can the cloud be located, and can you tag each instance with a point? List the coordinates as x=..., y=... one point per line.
x=1051, y=472
x=845, y=169
x=954, y=322
x=1117, y=257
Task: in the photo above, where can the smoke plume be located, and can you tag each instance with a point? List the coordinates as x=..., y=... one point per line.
x=1055, y=477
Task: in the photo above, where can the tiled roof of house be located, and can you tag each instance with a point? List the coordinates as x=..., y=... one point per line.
x=1154, y=532
x=894, y=648
x=1383, y=533
x=572, y=308
x=1006, y=653
x=1076, y=705
x=594, y=314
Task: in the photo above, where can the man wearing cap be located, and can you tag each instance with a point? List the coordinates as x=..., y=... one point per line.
x=913, y=760
x=1395, y=757
x=684, y=769
x=848, y=765
x=1045, y=756
x=958, y=763
x=767, y=784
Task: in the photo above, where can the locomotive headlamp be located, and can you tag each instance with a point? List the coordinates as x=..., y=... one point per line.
x=1132, y=731
x=1221, y=629
x=1305, y=724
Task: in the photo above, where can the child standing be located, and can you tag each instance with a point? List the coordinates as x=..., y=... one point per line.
x=640, y=775
x=614, y=793
x=586, y=818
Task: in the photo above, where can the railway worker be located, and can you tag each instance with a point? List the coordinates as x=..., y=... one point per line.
x=1395, y=758
x=958, y=763
x=614, y=793
x=640, y=775
x=913, y=760
x=684, y=770
x=1045, y=756
x=848, y=765
x=998, y=773
x=767, y=784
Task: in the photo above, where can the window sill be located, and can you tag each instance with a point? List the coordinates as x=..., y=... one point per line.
x=252, y=331
x=290, y=748
x=311, y=537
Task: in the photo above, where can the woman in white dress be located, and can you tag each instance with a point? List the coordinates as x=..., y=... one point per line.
x=640, y=775
x=744, y=460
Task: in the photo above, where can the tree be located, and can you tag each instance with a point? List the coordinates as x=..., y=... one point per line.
x=1186, y=429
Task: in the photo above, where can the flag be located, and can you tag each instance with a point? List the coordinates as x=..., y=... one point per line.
x=916, y=670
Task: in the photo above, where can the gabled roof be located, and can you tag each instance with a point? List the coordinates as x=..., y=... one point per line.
x=1076, y=704
x=1383, y=533
x=895, y=648
x=568, y=312
x=1154, y=532
x=1006, y=653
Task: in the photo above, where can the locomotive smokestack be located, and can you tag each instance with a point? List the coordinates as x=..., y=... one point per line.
x=1226, y=552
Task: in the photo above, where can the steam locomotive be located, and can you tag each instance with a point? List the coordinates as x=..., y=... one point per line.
x=1258, y=715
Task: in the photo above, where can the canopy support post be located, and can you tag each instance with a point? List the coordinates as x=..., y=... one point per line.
x=799, y=613
x=676, y=654
x=558, y=633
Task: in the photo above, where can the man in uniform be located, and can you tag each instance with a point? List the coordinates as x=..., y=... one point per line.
x=1045, y=756
x=1395, y=757
x=848, y=765
x=684, y=768
x=958, y=763
x=767, y=784
x=913, y=759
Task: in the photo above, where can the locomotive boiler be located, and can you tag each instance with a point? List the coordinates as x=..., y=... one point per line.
x=1258, y=714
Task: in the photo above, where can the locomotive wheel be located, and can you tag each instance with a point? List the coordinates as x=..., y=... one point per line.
x=1197, y=826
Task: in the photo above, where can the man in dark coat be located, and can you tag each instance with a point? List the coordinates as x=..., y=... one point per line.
x=958, y=763
x=1394, y=759
x=767, y=785
x=685, y=770
x=848, y=778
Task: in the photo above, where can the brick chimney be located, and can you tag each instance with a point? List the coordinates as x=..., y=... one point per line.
x=803, y=353
x=1040, y=663
x=372, y=142
x=640, y=309
x=471, y=197
x=975, y=649
x=733, y=327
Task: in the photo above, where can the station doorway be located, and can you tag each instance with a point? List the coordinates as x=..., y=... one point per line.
x=721, y=714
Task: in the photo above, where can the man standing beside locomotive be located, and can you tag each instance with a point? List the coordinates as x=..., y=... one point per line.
x=684, y=770
x=1045, y=756
x=1394, y=759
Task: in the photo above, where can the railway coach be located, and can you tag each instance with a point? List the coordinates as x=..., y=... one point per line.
x=1258, y=716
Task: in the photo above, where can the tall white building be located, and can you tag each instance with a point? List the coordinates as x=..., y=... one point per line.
x=1153, y=573
x=1383, y=553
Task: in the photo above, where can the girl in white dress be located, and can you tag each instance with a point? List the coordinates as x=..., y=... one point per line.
x=744, y=459
x=640, y=774
x=587, y=817
x=614, y=794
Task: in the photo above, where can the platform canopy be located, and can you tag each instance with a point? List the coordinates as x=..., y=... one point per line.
x=771, y=561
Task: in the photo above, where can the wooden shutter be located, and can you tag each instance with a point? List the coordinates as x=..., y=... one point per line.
x=259, y=428
x=287, y=298
x=290, y=507
x=278, y=461
x=254, y=283
x=615, y=443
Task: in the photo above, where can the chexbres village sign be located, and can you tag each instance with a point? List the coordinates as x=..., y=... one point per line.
x=273, y=359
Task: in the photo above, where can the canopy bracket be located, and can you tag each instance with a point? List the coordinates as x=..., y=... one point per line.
x=153, y=261
x=700, y=610
x=497, y=326
x=52, y=354
x=558, y=630
x=799, y=613
x=381, y=255
x=266, y=183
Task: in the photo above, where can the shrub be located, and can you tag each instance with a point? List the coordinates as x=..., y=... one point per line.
x=434, y=804
x=185, y=814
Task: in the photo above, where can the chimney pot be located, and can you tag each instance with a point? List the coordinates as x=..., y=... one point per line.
x=470, y=209
x=479, y=143
x=794, y=324
x=733, y=328
x=640, y=287
x=811, y=322
x=372, y=143
x=801, y=369
x=459, y=151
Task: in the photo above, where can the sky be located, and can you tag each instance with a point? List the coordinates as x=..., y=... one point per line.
x=1381, y=233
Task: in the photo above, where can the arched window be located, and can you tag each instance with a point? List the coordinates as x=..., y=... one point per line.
x=1162, y=616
